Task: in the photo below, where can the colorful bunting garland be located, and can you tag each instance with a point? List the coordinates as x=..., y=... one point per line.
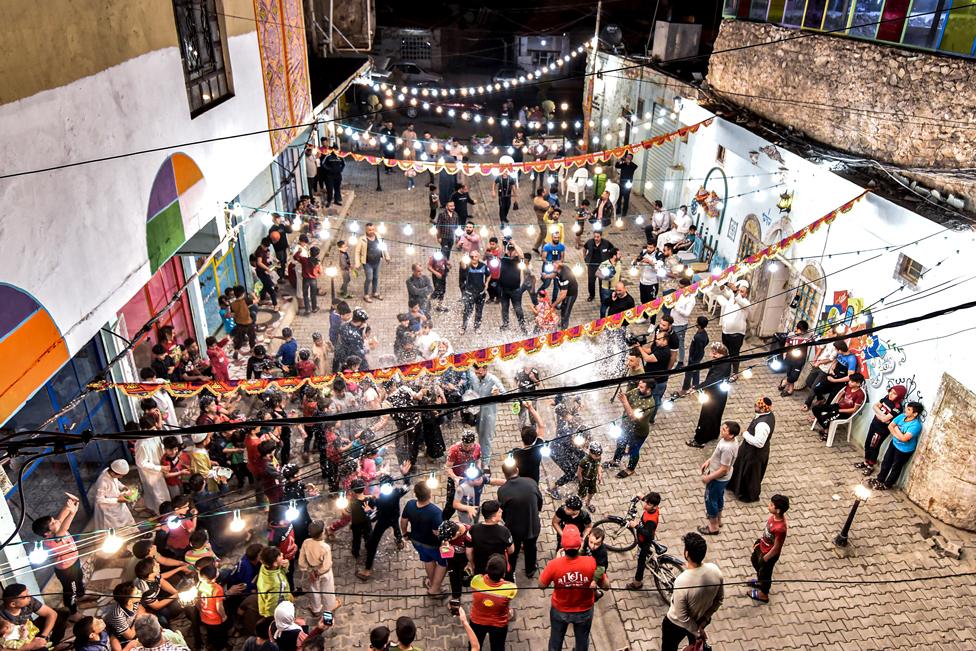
x=462, y=361
x=489, y=169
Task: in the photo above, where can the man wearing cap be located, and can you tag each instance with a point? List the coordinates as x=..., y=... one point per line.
x=735, y=311
x=572, y=603
x=111, y=510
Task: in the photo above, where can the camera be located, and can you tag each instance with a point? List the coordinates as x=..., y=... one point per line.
x=636, y=340
x=327, y=618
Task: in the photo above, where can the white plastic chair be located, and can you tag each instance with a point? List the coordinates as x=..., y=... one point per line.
x=614, y=190
x=838, y=422
x=577, y=185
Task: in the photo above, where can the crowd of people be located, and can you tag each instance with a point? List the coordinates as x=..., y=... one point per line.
x=187, y=484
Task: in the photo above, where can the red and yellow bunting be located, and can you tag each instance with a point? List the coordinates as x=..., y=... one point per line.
x=463, y=361
x=490, y=169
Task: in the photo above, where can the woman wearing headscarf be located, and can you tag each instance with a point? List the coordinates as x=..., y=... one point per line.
x=288, y=632
x=710, y=419
x=750, y=463
x=885, y=410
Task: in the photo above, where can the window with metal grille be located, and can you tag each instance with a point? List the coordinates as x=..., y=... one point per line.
x=203, y=48
x=415, y=48
x=908, y=272
x=543, y=57
x=808, y=298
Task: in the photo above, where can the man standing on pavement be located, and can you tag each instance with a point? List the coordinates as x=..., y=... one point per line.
x=462, y=199
x=620, y=300
x=474, y=290
x=766, y=550
x=438, y=266
x=485, y=384
x=680, y=314
x=568, y=291
x=504, y=188
x=596, y=250
x=278, y=233
x=370, y=254
x=715, y=475
x=572, y=600
x=627, y=167
x=419, y=288
x=540, y=206
x=510, y=279
x=242, y=317
x=639, y=409
x=331, y=171
x=735, y=306
x=521, y=502
x=311, y=167
x=603, y=213
x=447, y=223
x=353, y=339
x=388, y=136
x=698, y=594
x=488, y=537
x=468, y=242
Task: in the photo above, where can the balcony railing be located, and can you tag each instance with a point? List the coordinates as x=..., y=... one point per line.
x=944, y=26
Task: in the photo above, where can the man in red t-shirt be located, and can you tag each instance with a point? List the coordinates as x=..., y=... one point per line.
x=572, y=600
x=766, y=550
x=463, y=454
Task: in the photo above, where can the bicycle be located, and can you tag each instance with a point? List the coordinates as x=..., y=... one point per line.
x=618, y=537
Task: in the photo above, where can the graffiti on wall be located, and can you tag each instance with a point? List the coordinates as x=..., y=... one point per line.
x=909, y=383
x=877, y=357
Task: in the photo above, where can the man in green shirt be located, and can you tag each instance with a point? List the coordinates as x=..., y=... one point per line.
x=636, y=420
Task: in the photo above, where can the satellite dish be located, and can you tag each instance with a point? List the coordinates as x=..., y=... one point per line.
x=613, y=37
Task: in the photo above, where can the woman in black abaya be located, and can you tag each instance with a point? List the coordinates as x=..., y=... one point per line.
x=710, y=419
x=750, y=463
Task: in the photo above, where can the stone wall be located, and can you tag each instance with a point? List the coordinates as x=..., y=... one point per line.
x=943, y=478
x=912, y=109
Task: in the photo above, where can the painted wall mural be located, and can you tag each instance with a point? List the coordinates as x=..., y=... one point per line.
x=284, y=64
x=878, y=357
x=178, y=192
x=31, y=348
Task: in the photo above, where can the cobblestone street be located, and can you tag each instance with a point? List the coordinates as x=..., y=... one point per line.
x=889, y=540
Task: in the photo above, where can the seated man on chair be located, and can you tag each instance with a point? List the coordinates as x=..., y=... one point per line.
x=846, y=405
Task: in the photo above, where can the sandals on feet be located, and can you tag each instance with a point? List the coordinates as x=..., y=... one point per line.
x=755, y=595
x=705, y=531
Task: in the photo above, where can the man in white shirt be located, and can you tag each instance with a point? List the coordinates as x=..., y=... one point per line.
x=681, y=311
x=698, y=594
x=680, y=224
x=660, y=222
x=734, y=316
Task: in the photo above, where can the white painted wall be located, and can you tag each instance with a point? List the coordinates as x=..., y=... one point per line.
x=75, y=238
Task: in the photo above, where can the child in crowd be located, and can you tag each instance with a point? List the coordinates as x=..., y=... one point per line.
x=345, y=268
x=210, y=608
x=589, y=474
x=273, y=586
x=402, y=336
x=199, y=548
x=13, y=636
x=89, y=632
x=176, y=465
x=571, y=512
x=305, y=367
x=236, y=457
x=261, y=640
x=180, y=522
x=315, y=559
x=645, y=527
x=596, y=549
x=219, y=365
x=546, y=316
x=696, y=353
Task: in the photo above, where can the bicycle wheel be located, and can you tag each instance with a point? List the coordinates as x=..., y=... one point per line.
x=665, y=570
x=618, y=538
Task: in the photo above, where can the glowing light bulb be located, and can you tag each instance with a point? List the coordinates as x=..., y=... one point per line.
x=509, y=461
x=702, y=397
x=639, y=220
x=292, y=513
x=547, y=267
x=530, y=229
x=773, y=266
x=410, y=249
x=458, y=232
x=432, y=230
x=633, y=272
x=577, y=228
x=238, y=210
x=796, y=352
x=776, y=365
x=521, y=266
x=746, y=373
x=432, y=481
x=381, y=229
x=577, y=269
x=648, y=185
x=615, y=431
x=188, y=596
x=353, y=227
x=112, y=542
x=493, y=263
x=438, y=256
x=579, y=440
x=382, y=246
x=386, y=489
x=668, y=185
x=689, y=272
x=564, y=106
x=237, y=524
x=408, y=229
x=342, y=501
x=668, y=405
x=483, y=231
x=724, y=386
x=37, y=555
x=507, y=231
x=545, y=451
x=619, y=223
x=471, y=472
x=173, y=522
x=466, y=259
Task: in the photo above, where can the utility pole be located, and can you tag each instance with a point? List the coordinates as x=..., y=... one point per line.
x=591, y=79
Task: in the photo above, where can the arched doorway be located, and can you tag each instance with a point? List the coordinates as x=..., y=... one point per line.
x=808, y=297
